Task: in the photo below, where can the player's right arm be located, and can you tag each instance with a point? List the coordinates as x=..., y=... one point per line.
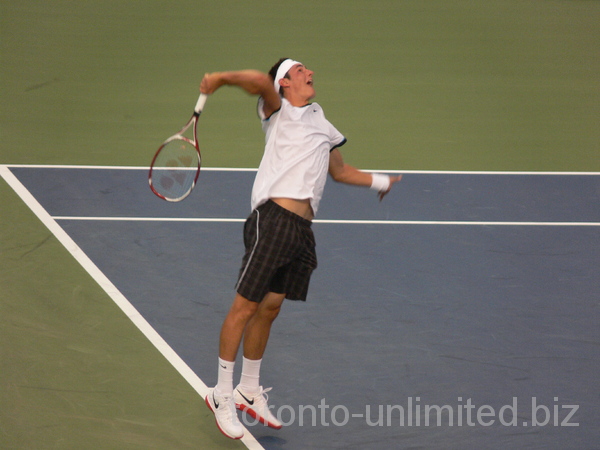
x=253, y=82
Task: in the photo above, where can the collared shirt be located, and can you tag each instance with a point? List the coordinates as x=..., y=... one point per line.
x=296, y=158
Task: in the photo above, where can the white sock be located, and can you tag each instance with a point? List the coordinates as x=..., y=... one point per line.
x=250, y=375
x=225, y=377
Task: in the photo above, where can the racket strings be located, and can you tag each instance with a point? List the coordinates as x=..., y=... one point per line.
x=175, y=170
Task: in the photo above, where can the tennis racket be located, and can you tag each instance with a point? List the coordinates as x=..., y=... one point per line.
x=176, y=165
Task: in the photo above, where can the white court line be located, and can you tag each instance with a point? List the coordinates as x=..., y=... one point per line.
x=230, y=169
x=88, y=167
x=147, y=219
x=351, y=222
x=129, y=310
x=357, y=222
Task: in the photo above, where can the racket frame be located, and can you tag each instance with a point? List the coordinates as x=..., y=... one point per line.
x=180, y=136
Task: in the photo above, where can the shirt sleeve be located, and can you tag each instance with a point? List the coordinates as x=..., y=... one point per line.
x=337, y=139
x=260, y=110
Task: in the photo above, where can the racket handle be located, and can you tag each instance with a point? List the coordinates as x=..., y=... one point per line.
x=200, y=103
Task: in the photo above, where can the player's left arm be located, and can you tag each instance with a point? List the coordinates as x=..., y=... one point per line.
x=345, y=173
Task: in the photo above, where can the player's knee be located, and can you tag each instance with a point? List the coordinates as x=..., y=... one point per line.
x=270, y=313
x=242, y=308
x=270, y=307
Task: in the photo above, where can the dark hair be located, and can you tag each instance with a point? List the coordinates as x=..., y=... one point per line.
x=273, y=72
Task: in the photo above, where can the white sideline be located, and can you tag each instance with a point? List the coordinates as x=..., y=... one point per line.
x=129, y=310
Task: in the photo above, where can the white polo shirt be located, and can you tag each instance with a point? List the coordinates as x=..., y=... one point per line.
x=296, y=158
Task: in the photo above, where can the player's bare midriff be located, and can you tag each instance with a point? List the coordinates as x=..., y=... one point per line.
x=299, y=207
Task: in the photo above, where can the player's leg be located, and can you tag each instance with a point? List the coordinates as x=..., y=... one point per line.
x=258, y=327
x=241, y=312
x=249, y=395
x=220, y=399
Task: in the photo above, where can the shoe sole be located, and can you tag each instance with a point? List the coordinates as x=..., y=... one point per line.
x=207, y=401
x=254, y=415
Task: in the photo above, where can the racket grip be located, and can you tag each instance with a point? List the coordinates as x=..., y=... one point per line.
x=200, y=103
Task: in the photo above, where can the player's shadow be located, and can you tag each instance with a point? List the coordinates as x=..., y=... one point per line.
x=272, y=442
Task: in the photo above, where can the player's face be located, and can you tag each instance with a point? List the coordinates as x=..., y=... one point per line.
x=301, y=81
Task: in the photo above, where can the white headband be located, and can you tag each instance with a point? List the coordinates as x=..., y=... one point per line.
x=284, y=68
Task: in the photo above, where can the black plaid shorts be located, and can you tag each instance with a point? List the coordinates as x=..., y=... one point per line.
x=280, y=254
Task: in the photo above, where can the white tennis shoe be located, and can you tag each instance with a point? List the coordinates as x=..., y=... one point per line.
x=256, y=406
x=223, y=408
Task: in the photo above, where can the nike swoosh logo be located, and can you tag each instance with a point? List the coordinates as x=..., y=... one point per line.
x=250, y=402
x=215, y=402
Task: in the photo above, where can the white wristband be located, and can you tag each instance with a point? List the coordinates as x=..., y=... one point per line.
x=380, y=182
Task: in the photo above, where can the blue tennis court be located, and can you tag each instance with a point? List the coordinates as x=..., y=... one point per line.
x=461, y=312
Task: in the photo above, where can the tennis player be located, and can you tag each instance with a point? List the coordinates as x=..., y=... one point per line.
x=302, y=146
